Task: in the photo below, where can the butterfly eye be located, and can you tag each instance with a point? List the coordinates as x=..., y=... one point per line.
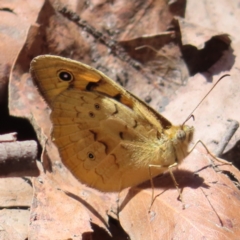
x=65, y=75
x=181, y=135
x=91, y=156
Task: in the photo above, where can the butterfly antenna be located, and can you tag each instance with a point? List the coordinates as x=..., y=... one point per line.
x=191, y=114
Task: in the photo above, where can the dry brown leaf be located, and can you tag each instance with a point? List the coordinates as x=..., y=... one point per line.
x=14, y=224
x=55, y=214
x=15, y=192
x=128, y=19
x=15, y=201
x=14, y=25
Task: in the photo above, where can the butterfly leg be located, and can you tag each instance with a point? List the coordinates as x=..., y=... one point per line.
x=152, y=184
x=174, y=180
x=212, y=155
x=176, y=183
x=172, y=176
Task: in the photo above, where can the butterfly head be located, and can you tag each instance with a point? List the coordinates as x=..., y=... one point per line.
x=181, y=136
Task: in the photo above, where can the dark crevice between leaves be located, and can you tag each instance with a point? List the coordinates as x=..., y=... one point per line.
x=231, y=176
x=21, y=126
x=115, y=229
x=233, y=155
x=201, y=60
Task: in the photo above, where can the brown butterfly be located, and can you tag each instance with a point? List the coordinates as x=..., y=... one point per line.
x=107, y=137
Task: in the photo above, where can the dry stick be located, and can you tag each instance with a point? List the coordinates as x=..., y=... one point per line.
x=18, y=159
x=9, y=137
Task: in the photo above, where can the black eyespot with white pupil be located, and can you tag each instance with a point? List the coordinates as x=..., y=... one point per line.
x=91, y=156
x=65, y=75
